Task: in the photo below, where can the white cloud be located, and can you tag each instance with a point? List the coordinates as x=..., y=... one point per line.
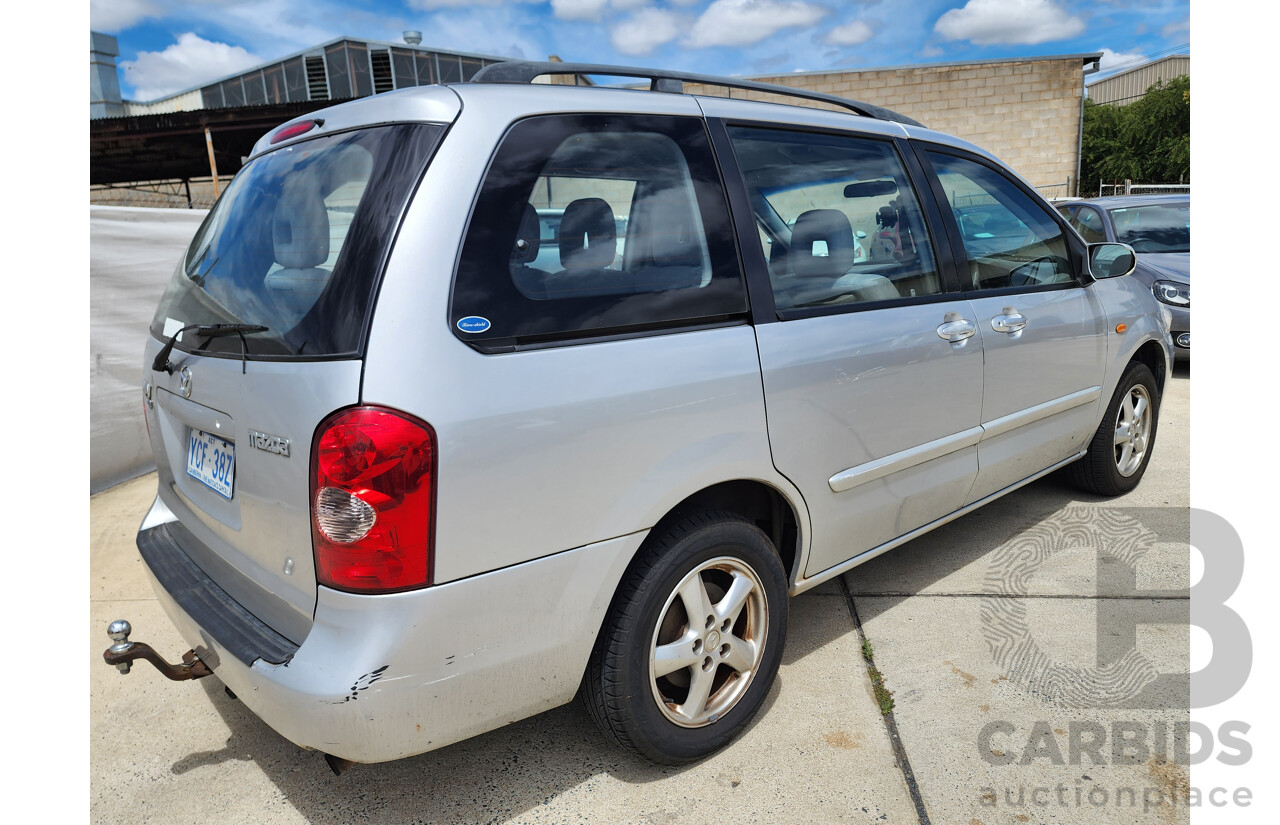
x=1112, y=61
x=505, y=31
x=1026, y=22
x=189, y=62
x=1179, y=27
x=850, y=34
x=646, y=30
x=624, y=5
x=743, y=22
x=578, y=9
x=117, y=15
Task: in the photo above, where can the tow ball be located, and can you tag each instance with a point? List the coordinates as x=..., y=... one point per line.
x=123, y=653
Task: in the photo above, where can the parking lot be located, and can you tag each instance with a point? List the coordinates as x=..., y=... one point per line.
x=994, y=633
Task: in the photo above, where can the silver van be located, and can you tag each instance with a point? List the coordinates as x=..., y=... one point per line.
x=419, y=478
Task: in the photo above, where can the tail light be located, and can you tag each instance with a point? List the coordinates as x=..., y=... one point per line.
x=372, y=501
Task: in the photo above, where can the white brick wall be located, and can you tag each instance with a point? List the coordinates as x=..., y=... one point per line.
x=1025, y=113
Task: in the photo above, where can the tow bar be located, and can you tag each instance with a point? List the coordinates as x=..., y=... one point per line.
x=124, y=652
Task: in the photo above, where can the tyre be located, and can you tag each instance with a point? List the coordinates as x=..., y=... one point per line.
x=693, y=640
x=1121, y=448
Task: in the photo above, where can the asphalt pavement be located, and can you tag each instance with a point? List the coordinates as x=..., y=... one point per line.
x=1031, y=658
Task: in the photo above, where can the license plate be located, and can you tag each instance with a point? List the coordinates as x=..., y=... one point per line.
x=212, y=461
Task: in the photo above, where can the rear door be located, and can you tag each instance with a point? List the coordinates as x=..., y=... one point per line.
x=1042, y=331
x=289, y=258
x=872, y=368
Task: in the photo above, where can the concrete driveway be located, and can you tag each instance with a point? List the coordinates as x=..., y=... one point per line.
x=1033, y=651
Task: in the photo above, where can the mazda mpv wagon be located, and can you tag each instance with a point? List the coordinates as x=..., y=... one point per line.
x=419, y=479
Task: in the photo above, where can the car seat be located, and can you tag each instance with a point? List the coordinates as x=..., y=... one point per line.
x=300, y=241
x=824, y=269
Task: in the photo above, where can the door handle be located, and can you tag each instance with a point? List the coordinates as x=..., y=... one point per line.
x=1009, y=321
x=954, y=328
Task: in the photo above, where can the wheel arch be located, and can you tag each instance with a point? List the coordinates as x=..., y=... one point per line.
x=1153, y=355
x=763, y=504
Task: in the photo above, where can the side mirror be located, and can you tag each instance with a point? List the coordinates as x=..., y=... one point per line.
x=1111, y=260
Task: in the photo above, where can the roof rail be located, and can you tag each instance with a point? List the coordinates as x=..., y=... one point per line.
x=524, y=71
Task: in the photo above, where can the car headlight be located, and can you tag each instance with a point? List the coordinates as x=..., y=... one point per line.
x=1169, y=292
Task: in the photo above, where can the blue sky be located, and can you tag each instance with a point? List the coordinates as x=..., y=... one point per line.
x=169, y=45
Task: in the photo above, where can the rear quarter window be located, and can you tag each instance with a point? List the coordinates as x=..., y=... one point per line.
x=591, y=225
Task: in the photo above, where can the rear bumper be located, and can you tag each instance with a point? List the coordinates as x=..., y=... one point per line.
x=384, y=677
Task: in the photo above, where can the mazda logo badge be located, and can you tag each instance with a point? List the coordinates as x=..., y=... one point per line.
x=184, y=386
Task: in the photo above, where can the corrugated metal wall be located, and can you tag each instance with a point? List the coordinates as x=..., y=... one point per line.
x=1127, y=87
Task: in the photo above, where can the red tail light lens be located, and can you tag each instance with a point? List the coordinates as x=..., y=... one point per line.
x=372, y=497
x=300, y=128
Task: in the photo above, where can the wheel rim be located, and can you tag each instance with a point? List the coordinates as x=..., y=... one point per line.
x=1133, y=430
x=709, y=642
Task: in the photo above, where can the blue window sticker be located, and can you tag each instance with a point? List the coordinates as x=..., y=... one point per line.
x=473, y=324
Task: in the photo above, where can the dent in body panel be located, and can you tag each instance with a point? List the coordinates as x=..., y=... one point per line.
x=384, y=677
x=455, y=646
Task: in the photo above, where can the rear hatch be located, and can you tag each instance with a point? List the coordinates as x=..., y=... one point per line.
x=268, y=313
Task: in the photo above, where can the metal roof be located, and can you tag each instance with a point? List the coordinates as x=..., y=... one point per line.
x=171, y=146
x=1140, y=67
x=320, y=48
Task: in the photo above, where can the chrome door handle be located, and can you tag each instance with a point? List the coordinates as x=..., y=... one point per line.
x=1009, y=320
x=957, y=330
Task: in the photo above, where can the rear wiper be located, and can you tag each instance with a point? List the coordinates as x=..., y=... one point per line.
x=208, y=331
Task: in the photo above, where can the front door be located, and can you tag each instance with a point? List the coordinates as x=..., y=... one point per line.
x=1043, y=332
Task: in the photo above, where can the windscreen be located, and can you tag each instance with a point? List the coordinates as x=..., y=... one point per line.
x=1162, y=228
x=296, y=243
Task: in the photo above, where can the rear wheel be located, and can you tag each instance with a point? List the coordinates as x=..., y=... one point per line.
x=693, y=641
x=1121, y=448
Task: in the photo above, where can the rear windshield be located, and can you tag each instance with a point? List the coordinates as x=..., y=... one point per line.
x=295, y=244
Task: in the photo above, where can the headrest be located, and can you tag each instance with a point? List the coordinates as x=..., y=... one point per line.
x=887, y=217
x=300, y=225
x=345, y=164
x=663, y=231
x=830, y=226
x=588, y=239
x=525, y=248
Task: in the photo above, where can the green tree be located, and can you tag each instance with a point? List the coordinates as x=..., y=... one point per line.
x=1148, y=141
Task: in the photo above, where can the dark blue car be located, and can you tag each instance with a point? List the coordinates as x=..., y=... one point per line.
x=1158, y=227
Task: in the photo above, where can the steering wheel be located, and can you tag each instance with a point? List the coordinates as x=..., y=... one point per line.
x=1136, y=242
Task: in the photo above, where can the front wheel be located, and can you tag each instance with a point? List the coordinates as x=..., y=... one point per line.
x=1121, y=448
x=693, y=640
